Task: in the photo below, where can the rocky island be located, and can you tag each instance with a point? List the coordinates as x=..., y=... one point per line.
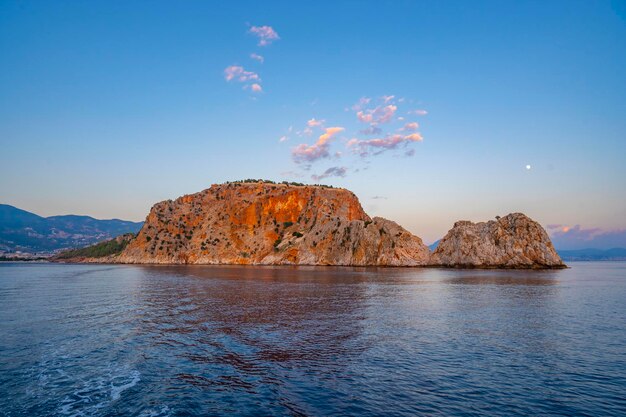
x=271, y=224
x=513, y=241
x=266, y=223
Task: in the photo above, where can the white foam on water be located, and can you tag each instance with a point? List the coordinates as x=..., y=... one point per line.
x=163, y=412
x=92, y=395
x=116, y=391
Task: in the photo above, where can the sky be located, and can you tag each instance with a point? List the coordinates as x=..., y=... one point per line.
x=430, y=111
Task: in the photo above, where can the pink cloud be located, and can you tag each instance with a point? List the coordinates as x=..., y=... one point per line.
x=266, y=34
x=257, y=57
x=365, y=117
x=418, y=112
x=363, y=147
x=238, y=73
x=379, y=114
x=414, y=137
x=330, y=132
x=410, y=127
x=315, y=123
x=256, y=88
x=311, y=153
x=385, y=114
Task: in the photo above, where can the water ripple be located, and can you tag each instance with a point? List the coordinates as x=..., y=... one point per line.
x=85, y=340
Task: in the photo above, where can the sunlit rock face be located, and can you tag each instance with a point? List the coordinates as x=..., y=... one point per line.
x=513, y=241
x=273, y=224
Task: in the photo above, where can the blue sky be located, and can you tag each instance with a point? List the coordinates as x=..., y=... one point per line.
x=109, y=107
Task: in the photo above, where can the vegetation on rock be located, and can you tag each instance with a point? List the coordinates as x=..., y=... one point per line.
x=99, y=250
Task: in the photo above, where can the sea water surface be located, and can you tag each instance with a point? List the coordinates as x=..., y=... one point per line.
x=82, y=340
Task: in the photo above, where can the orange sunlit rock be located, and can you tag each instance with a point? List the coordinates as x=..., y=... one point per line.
x=264, y=223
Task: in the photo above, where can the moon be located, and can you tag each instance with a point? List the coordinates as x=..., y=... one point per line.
x=528, y=167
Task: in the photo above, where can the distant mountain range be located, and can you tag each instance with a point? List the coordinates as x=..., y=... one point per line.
x=23, y=231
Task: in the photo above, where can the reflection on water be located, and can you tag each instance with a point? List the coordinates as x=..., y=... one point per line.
x=197, y=340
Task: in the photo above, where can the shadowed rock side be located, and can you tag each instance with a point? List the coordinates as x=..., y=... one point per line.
x=273, y=224
x=513, y=241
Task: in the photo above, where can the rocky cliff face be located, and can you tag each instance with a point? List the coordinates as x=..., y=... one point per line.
x=513, y=241
x=261, y=223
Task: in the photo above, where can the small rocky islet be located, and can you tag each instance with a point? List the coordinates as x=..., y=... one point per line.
x=266, y=223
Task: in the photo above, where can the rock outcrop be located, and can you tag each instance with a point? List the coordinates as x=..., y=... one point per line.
x=273, y=224
x=513, y=241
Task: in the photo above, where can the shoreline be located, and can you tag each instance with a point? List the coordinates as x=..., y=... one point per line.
x=457, y=267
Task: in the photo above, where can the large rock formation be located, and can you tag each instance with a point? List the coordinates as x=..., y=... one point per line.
x=513, y=241
x=263, y=223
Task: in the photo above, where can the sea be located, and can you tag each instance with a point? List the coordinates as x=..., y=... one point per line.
x=128, y=340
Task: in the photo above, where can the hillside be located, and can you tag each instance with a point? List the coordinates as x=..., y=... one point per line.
x=23, y=231
x=106, y=249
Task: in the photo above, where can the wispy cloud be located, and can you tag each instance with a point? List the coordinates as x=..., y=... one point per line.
x=257, y=57
x=310, y=153
x=331, y=172
x=266, y=34
x=418, y=112
x=378, y=145
x=359, y=105
x=371, y=130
